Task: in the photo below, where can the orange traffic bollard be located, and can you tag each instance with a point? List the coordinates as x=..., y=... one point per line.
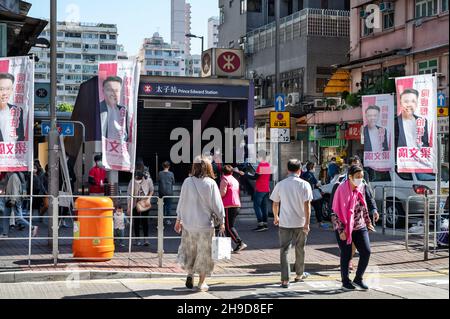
x=95, y=247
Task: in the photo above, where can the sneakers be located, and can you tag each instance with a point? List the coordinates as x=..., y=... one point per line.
x=261, y=228
x=302, y=277
x=285, y=285
x=190, y=282
x=203, y=288
x=240, y=248
x=324, y=226
x=360, y=284
x=34, y=231
x=147, y=243
x=348, y=286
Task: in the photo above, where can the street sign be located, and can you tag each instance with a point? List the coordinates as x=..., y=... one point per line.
x=442, y=111
x=441, y=99
x=443, y=124
x=280, y=135
x=280, y=103
x=64, y=129
x=280, y=120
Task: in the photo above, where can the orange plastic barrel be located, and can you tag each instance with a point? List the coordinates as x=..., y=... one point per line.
x=101, y=227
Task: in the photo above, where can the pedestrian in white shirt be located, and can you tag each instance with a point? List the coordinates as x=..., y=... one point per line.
x=295, y=196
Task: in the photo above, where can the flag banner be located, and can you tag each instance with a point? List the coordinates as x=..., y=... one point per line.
x=16, y=114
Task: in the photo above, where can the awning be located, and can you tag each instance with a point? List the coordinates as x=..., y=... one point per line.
x=339, y=83
x=333, y=143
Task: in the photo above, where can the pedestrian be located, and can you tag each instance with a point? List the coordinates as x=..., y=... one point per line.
x=39, y=189
x=166, y=184
x=350, y=223
x=13, y=204
x=333, y=169
x=317, y=202
x=143, y=191
x=294, y=195
x=200, y=208
x=230, y=192
x=119, y=225
x=262, y=190
x=97, y=178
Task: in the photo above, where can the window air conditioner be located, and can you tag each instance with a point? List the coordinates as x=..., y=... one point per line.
x=293, y=99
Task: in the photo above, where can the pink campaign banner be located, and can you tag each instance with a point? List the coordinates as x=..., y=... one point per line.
x=118, y=91
x=16, y=114
x=378, y=132
x=416, y=124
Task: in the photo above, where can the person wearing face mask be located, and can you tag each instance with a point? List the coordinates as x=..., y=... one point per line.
x=350, y=220
x=97, y=178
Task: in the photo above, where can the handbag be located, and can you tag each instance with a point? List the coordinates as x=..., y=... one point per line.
x=143, y=205
x=216, y=220
x=221, y=248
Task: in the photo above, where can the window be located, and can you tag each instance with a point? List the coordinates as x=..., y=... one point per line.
x=112, y=37
x=388, y=20
x=73, y=35
x=300, y=5
x=254, y=5
x=428, y=67
x=73, y=56
x=271, y=8
x=426, y=8
x=444, y=5
x=321, y=84
x=366, y=31
x=103, y=36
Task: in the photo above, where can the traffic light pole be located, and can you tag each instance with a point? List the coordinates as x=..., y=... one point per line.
x=53, y=147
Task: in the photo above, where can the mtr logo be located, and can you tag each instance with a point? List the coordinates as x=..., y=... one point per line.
x=229, y=62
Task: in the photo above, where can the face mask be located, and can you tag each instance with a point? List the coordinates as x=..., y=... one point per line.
x=358, y=182
x=100, y=164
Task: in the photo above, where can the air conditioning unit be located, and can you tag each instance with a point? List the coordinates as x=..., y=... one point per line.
x=293, y=99
x=319, y=104
x=386, y=6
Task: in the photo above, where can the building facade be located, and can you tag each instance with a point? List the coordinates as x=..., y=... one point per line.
x=81, y=46
x=213, y=32
x=314, y=36
x=161, y=58
x=181, y=24
x=193, y=66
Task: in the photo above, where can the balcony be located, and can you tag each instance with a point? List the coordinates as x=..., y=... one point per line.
x=307, y=22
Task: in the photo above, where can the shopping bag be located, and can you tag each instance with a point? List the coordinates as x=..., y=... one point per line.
x=221, y=248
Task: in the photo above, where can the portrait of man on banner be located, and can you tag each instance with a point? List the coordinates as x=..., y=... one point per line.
x=114, y=117
x=11, y=116
x=416, y=124
x=378, y=116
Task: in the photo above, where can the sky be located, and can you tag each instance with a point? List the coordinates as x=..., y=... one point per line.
x=135, y=19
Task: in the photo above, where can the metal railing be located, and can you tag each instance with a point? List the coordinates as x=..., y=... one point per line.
x=430, y=216
x=54, y=238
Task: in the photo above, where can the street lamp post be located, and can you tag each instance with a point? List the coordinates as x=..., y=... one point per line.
x=277, y=76
x=190, y=35
x=53, y=147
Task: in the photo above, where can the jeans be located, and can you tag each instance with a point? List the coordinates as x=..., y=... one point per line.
x=260, y=204
x=17, y=209
x=318, y=206
x=120, y=235
x=362, y=243
x=168, y=207
x=138, y=220
x=231, y=214
x=297, y=237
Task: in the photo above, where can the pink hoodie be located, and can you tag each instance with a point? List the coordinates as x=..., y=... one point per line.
x=230, y=191
x=344, y=204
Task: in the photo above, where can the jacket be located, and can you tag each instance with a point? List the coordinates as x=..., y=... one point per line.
x=368, y=142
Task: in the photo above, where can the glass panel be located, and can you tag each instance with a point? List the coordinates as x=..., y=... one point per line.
x=423, y=65
x=432, y=63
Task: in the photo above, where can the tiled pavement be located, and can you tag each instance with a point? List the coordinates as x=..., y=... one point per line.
x=261, y=258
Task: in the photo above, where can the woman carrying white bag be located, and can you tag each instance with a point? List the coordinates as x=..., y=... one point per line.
x=200, y=207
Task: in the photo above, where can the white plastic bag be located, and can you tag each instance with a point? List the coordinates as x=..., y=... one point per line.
x=221, y=248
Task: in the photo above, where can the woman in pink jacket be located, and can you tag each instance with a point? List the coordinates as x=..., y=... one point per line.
x=350, y=220
x=230, y=191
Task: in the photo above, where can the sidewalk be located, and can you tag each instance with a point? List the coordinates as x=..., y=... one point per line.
x=261, y=258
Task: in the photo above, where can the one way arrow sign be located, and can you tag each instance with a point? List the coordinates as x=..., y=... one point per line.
x=280, y=103
x=441, y=100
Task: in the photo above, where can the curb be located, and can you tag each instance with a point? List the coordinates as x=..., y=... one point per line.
x=87, y=275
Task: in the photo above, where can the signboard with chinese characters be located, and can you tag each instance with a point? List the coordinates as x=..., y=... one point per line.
x=16, y=114
x=443, y=123
x=280, y=120
x=416, y=124
x=118, y=93
x=353, y=132
x=378, y=131
x=280, y=135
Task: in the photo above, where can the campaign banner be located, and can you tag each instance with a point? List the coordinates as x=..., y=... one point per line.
x=416, y=124
x=118, y=93
x=378, y=132
x=16, y=114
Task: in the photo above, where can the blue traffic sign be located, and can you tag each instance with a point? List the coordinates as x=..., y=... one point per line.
x=441, y=100
x=280, y=103
x=64, y=129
